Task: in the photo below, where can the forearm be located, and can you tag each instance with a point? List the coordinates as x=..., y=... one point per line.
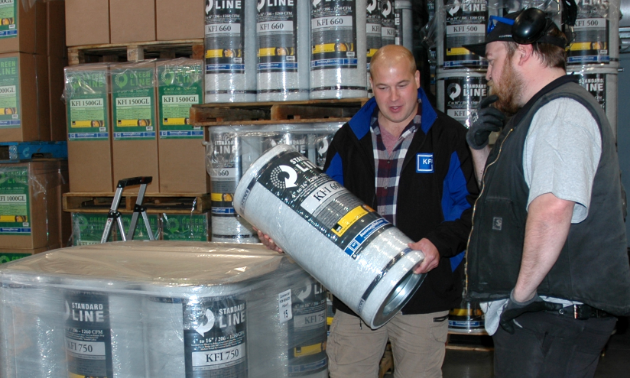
x=546, y=231
x=479, y=160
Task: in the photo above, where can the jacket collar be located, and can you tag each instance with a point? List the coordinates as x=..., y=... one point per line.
x=360, y=123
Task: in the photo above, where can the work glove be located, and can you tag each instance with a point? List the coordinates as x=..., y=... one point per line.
x=488, y=119
x=514, y=309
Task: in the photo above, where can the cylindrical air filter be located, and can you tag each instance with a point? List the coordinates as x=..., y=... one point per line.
x=460, y=91
x=283, y=50
x=373, y=35
x=388, y=23
x=338, y=61
x=230, y=58
x=360, y=257
x=197, y=332
x=601, y=82
x=460, y=23
x=468, y=318
x=596, y=26
x=288, y=314
x=404, y=23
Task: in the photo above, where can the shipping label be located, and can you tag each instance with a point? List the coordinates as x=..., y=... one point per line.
x=187, y=227
x=465, y=24
x=8, y=19
x=462, y=95
x=15, y=201
x=322, y=202
x=133, y=103
x=276, y=28
x=88, y=334
x=9, y=93
x=180, y=87
x=225, y=36
x=87, y=105
x=215, y=337
x=334, y=34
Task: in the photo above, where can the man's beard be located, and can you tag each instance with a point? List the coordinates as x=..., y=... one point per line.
x=508, y=91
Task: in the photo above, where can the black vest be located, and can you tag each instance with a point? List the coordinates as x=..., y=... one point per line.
x=593, y=264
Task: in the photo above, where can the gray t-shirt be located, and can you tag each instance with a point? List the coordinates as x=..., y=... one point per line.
x=561, y=155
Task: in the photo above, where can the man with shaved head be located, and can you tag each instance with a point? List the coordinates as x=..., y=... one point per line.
x=411, y=163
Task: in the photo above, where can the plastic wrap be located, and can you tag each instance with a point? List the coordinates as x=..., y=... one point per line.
x=460, y=91
x=230, y=59
x=358, y=255
x=161, y=310
x=283, y=50
x=339, y=39
x=601, y=81
x=596, y=33
x=233, y=149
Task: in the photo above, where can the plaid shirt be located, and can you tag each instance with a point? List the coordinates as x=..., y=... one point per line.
x=388, y=167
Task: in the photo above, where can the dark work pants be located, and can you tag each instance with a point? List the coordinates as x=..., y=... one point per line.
x=551, y=346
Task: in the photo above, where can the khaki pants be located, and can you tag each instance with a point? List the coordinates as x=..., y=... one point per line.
x=418, y=346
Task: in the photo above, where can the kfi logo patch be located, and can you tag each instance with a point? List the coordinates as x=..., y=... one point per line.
x=424, y=163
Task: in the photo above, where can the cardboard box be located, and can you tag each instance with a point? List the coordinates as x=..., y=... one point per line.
x=24, y=104
x=29, y=204
x=185, y=227
x=182, y=19
x=56, y=85
x=56, y=28
x=16, y=254
x=87, y=22
x=135, y=147
x=23, y=27
x=132, y=20
x=182, y=154
x=87, y=91
x=87, y=228
x=65, y=219
x=141, y=230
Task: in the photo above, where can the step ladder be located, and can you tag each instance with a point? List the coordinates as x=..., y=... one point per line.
x=115, y=216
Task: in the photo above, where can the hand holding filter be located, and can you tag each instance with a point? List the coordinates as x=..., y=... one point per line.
x=355, y=253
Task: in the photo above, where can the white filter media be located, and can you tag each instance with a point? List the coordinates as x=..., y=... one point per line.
x=459, y=93
x=230, y=58
x=283, y=50
x=355, y=253
x=338, y=61
x=404, y=24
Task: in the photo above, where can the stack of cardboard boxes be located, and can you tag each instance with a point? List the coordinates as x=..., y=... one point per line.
x=32, y=57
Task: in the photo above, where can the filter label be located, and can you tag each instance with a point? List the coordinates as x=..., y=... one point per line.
x=215, y=337
x=590, y=43
x=373, y=28
x=465, y=24
x=15, y=201
x=595, y=83
x=276, y=28
x=334, y=34
x=8, y=19
x=388, y=22
x=88, y=334
x=179, y=88
x=224, y=36
x=9, y=93
x=462, y=95
x=87, y=105
x=322, y=202
x=133, y=99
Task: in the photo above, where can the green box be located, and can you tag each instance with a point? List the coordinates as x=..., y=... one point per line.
x=8, y=257
x=141, y=229
x=185, y=227
x=133, y=102
x=87, y=228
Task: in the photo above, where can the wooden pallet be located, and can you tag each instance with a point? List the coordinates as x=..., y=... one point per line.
x=154, y=203
x=134, y=52
x=474, y=341
x=265, y=113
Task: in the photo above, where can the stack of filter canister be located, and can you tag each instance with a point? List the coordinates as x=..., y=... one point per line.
x=297, y=50
x=594, y=53
x=231, y=151
x=198, y=309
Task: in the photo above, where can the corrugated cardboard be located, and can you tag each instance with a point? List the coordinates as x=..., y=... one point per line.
x=58, y=130
x=87, y=22
x=182, y=19
x=37, y=224
x=56, y=28
x=182, y=154
x=32, y=121
x=134, y=146
x=26, y=31
x=132, y=21
x=89, y=133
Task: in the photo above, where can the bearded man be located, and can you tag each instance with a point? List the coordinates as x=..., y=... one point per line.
x=547, y=256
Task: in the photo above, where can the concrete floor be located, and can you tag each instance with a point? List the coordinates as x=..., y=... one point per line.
x=615, y=362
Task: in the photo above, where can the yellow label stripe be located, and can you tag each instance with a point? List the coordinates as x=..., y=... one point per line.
x=348, y=220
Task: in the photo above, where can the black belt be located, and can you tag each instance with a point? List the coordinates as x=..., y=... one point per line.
x=581, y=312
